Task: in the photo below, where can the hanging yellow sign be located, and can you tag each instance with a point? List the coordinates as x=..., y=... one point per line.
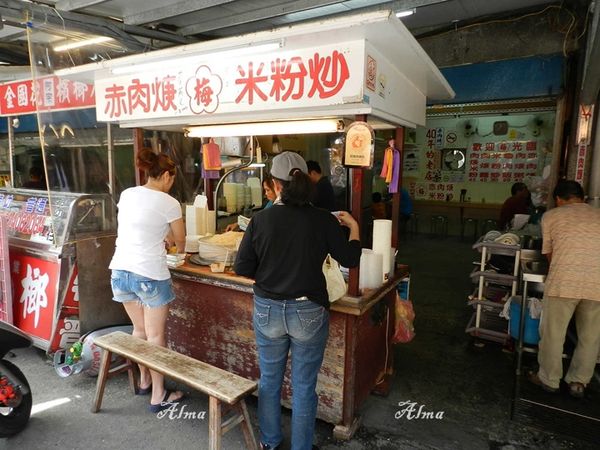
x=360, y=145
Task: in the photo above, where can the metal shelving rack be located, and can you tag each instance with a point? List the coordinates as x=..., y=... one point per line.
x=485, y=323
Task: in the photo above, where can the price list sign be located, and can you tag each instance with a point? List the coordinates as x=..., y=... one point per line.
x=503, y=162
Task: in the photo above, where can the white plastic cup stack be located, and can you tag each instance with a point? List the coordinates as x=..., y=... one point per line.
x=191, y=243
x=370, y=270
x=256, y=191
x=247, y=196
x=240, y=196
x=230, y=194
x=382, y=244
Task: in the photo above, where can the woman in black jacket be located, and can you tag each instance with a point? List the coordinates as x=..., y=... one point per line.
x=283, y=249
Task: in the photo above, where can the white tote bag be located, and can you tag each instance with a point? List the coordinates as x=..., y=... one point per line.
x=336, y=285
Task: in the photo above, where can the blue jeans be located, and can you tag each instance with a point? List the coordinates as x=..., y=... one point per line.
x=302, y=327
x=131, y=287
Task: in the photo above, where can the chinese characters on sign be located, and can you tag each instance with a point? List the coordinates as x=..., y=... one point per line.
x=580, y=170
x=67, y=331
x=45, y=94
x=289, y=79
x=432, y=165
x=34, y=296
x=371, y=77
x=434, y=138
x=145, y=97
x=506, y=162
x=358, y=151
x=431, y=191
x=35, y=283
x=31, y=220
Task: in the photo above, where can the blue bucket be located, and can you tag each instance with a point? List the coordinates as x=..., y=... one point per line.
x=531, y=334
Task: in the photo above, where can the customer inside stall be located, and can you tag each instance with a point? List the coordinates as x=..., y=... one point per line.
x=36, y=178
x=518, y=203
x=323, y=196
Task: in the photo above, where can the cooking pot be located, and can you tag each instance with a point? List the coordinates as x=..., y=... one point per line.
x=531, y=242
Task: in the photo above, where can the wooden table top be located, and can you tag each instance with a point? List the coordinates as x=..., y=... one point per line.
x=228, y=279
x=472, y=205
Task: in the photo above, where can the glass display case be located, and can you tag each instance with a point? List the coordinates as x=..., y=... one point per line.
x=60, y=245
x=53, y=219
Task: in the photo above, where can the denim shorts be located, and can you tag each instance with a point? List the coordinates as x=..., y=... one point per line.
x=130, y=287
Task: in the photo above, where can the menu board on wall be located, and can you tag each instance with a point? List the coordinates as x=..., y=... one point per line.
x=507, y=161
x=431, y=191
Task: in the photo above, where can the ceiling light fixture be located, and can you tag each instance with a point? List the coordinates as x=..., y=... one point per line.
x=405, y=13
x=312, y=126
x=83, y=43
x=225, y=53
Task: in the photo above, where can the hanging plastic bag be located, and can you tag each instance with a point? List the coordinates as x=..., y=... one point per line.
x=404, y=330
x=535, y=307
x=336, y=285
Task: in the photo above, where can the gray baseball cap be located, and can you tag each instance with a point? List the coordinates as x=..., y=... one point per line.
x=285, y=162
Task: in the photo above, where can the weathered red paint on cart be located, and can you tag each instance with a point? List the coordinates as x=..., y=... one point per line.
x=211, y=320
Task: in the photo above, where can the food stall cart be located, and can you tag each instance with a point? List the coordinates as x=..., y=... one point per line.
x=59, y=242
x=357, y=68
x=59, y=246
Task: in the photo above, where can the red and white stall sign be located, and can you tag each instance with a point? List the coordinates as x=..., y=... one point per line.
x=67, y=332
x=35, y=284
x=32, y=221
x=45, y=94
x=210, y=85
x=71, y=299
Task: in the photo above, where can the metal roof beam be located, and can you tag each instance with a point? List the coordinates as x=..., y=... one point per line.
x=293, y=7
x=14, y=54
x=79, y=22
x=88, y=24
x=177, y=9
x=73, y=5
x=255, y=15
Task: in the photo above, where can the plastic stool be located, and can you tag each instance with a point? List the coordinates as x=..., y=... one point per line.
x=488, y=225
x=465, y=223
x=439, y=225
x=413, y=224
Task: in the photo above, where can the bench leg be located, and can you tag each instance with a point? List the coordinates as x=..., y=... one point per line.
x=132, y=375
x=102, y=376
x=214, y=424
x=251, y=443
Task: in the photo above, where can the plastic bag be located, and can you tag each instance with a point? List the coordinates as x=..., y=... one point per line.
x=404, y=330
x=336, y=285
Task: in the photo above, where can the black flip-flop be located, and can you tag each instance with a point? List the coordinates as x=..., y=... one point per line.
x=165, y=403
x=577, y=389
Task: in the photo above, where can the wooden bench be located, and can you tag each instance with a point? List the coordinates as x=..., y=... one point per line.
x=221, y=386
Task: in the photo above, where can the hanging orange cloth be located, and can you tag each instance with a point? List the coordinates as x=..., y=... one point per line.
x=386, y=166
x=211, y=156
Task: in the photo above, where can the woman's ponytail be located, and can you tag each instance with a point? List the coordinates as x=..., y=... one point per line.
x=155, y=164
x=299, y=190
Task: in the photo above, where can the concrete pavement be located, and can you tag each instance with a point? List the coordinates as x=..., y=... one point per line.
x=439, y=371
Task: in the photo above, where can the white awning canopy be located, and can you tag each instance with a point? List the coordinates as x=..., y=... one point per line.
x=367, y=64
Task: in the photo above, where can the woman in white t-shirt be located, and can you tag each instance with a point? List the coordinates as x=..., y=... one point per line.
x=148, y=217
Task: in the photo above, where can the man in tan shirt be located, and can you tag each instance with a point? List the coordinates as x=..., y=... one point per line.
x=571, y=242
